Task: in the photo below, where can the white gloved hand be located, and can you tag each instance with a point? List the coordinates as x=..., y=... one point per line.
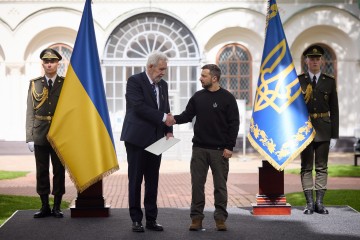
x=332, y=143
x=31, y=146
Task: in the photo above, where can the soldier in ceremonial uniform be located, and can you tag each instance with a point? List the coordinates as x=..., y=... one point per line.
x=319, y=90
x=42, y=99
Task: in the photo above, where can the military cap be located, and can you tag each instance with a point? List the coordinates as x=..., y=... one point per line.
x=314, y=51
x=50, y=53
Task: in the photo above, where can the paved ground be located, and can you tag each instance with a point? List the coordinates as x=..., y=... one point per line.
x=174, y=185
x=341, y=224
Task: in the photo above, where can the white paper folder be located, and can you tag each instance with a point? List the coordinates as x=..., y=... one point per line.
x=162, y=145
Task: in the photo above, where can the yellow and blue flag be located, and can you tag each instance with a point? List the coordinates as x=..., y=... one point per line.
x=81, y=132
x=280, y=127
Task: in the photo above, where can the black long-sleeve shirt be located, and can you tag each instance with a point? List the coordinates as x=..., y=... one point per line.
x=217, y=119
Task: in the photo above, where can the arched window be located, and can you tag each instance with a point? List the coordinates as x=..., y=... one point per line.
x=65, y=51
x=235, y=62
x=329, y=66
x=126, y=54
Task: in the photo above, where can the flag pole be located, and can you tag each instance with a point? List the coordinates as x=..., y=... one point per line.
x=90, y=202
x=80, y=131
x=280, y=126
x=271, y=199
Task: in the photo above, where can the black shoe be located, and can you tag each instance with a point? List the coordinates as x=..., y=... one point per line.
x=137, y=227
x=44, y=212
x=56, y=212
x=153, y=225
x=320, y=208
x=309, y=209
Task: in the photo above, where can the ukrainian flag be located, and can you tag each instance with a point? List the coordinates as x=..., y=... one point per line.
x=280, y=127
x=80, y=131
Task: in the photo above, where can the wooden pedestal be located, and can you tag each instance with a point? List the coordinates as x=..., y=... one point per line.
x=271, y=199
x=90, y=203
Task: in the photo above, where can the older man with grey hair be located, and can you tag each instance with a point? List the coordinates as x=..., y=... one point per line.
x=147, y=120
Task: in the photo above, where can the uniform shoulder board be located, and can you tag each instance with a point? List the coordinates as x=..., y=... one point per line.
x=302, y=74
x=328, y=75
x=38, y=78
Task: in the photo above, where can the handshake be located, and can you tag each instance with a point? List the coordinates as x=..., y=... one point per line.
x=170, y=120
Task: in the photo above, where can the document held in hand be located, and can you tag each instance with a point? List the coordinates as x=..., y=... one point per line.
x=162, y=145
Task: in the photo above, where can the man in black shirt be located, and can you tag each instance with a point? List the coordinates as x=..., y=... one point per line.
x=215, y=132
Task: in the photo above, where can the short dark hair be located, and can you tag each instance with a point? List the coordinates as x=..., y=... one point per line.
x=214, y=70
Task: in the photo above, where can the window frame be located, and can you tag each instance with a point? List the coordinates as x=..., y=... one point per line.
x=228, y=77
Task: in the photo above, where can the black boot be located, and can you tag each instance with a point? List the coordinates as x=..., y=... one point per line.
x=56, y=211
x=319, y=207
x=309, y=209
x=45, y=208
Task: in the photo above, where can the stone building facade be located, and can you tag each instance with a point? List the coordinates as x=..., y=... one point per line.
x=192, y=33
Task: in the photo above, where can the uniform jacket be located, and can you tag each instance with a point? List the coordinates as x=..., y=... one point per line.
x=322, y=99
x=143, y=123
x=43, y=104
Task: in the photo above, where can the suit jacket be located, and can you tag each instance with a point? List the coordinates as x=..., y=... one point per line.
x=41, y=103
x=143, y=123
x=322, y=99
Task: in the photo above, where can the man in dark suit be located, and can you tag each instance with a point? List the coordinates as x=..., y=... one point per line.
x=42, y=99
x=321, y=98
x=147, y=120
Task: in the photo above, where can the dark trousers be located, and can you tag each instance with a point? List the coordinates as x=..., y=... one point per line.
x=42, y=158
x=201, y=160
x=142, y=165
x=317, y=152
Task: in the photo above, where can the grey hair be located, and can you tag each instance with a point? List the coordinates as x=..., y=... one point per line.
x=155, y=57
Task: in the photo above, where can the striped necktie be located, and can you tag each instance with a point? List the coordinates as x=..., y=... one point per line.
x=154, y=89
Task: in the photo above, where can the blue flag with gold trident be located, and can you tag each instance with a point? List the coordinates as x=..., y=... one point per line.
x=280, y=127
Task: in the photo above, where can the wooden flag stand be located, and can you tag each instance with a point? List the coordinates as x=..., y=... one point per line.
x=90, y=203
x=271, y=199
